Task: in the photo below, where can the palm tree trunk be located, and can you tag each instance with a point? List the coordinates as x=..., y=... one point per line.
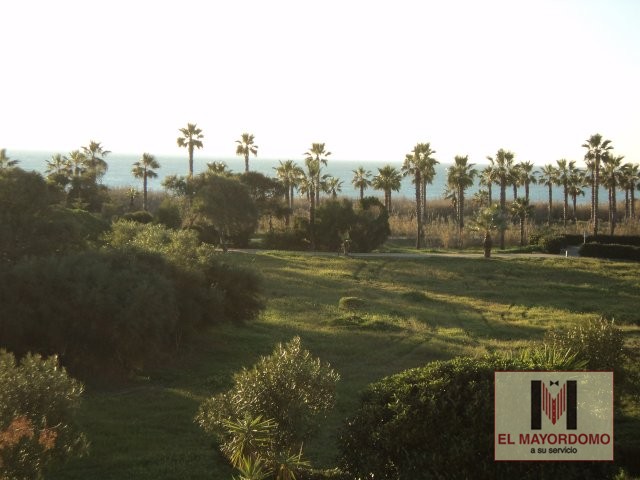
x=489, y=190
x=424, y=199
x=503, y=205
x=526, y=191
x=550, y=204
x=190, y=160
x=575, y=201
x=144, y=190
x=318, y=187
x=614, y=209
x=460, y=213
x=287, y=199
x=633, y=203
x=594, y=196
x=565, y=206
x=515, y=192
x=387, y=200
x=627, y=212
x=361, y=192
x=418, y=208
x=246, y=161
x=522, y=218
x=312, y=218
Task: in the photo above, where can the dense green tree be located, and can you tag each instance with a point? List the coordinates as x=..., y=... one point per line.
x=266, y=193
x=318, y=155
x=246, y=147
x=191, y=138
x=388, y=179
x=597, y=149
x=460, y=176
x=361, y=180
x=145, y=169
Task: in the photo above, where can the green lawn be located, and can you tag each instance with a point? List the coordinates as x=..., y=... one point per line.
x=416, y=311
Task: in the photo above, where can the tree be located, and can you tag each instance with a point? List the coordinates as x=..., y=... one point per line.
x=6, y=162
x=245, y=147
x=428, y=173
x=144, y=169
x=218, y=168
x=309, y=183
x=388, y=179
x=488, y=178
x=630, y=177
x=549, y=177
x=191, y=138
x=488, y=220
x=289, y=174
x=318, y=155
x=526, y=176
x=611, y=179
x=333, y=186
x=361, y=180
x=597, y=148
x=576, y=182
x=502, y=165
x=564, y=171
x=521, y=209
x=415, y=164
x=95, y=162
x=460, y=177
x=59, y=170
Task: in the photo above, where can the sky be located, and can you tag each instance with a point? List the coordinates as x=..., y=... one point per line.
x=370, y=79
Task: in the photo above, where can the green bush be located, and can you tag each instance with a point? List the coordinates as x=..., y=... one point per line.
x=437, y=422
x=38, y=401
x=615, y=239
x=617, y=252
x=141, y=216
x=168, y=214
x=289, y=387
x=598, y=341
x=552, y=243
x=288, y=240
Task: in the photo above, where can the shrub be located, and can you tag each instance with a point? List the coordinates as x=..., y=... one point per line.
x=289, y=387
x=427, y=423
x=552, y=243
x=287, y=240
x=37, y=425
x=351, y=303
x=617, y=252
x=615, y=239
x=598, y=341
x=141, y=216
x=168, y=214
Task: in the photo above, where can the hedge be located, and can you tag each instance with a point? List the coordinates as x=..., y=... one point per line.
x=612, y=251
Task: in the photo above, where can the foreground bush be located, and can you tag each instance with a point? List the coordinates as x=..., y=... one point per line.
x=37, y=426
x=289, y=388
x=438, y=422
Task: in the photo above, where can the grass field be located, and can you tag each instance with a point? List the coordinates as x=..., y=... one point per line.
x=415, y=311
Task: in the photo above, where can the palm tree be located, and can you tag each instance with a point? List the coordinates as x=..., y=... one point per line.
x=460, y=177
x=488, y=178
x=414, y=165
x=502, y=165
x=428, y=173
x=630, y=177
x=245, y=147
x=520, y=208
x=576, y=182
x=488, y=220
x=309, y=184
x=333, y=186
x=388, y=179
x=611, y=179
x=78, y=162
x=289, y=174
x=361, y=180
x=597, y=148
x=6, y=162
x=144, y=169
x=549, y=177
x=527, y=176
x=58, y=170
x=191, y=138
x=317, y=154
x=96, y=164
x=564, y=171
x=218, y=168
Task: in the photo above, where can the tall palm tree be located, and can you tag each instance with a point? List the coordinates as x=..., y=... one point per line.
x=388, y=179
x=502, y=165
x=361, y=180
x=460, y=176
x=549, y=177
x=245, y=147
x=597, y=148
x=59, y=170
x=309, y=183
x=521, y=209
x=428, y=173
x=576, y=183
x=488, y=178
x=414, y=165
x=289, y=174
x=630, y=177
x=145, y=169
x=318, y=154
x=6, y=162
x=527, y=176
x=96, y=164
x=611, y=179
x=564, y=171
x=191, y=138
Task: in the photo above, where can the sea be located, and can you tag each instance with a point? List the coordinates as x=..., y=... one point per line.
x=120, y=165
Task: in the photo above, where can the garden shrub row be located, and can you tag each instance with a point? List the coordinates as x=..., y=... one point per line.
x=612, y=251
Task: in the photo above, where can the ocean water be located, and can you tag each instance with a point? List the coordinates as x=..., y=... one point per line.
x=120, y=165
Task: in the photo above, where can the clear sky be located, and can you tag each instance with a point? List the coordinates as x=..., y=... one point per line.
x=368, y=78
